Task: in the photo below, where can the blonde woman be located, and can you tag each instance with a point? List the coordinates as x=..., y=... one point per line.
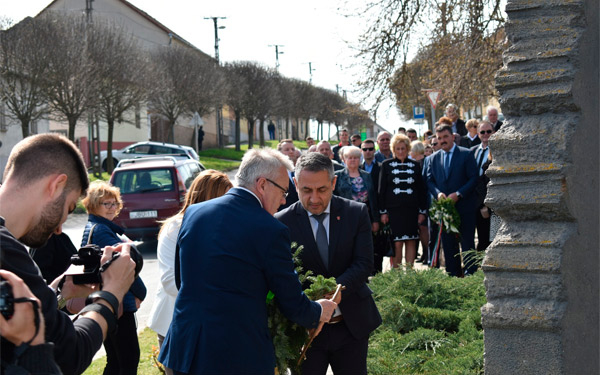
x=103, y=203
x=402, y=199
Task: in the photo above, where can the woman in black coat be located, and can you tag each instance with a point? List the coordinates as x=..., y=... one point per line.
x=402, y=199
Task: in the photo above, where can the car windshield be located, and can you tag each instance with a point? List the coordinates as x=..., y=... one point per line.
x=144, y=181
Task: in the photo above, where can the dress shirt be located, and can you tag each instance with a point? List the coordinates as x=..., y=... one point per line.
x=485, y=151
x=369, y=167
x=314, y=224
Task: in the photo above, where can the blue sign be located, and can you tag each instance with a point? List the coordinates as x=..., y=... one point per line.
x=418, y=112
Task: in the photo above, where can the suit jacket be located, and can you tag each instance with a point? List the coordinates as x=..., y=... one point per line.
x=498, y=125
x=462, y=177
x=466, y=142
x=374, y=173
x=461, y=127
x=232, y=252
x=343, y=188
x=350, y=257
x=292, y=196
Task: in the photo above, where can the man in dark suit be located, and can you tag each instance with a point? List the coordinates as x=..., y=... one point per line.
x=483, y=160
x=492, y=115
x=343, y=136
x=324, y=148
x=336, y=235
x=458, y=124
x=380, y=238
x=452, y=173
x=286, y=147
x=232, y=253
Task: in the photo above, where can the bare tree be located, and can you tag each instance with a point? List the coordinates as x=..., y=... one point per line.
x=256, y=102
x=123, y=68
x=237, y=88
x=72, y=79
x=207, y=89
x=23, y=69
x=459, y=30
x=172, y=74
x=305, y=103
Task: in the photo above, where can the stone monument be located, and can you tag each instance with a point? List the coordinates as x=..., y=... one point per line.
x=541, y=272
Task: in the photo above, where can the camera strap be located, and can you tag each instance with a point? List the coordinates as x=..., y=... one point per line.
x=89, y=241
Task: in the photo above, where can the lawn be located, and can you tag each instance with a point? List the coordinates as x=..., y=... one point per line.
x=431, y=325
x=148, y=340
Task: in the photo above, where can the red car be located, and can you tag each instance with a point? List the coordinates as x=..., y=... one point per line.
x=152, y=189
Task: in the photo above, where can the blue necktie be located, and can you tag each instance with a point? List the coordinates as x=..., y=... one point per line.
x=447, y=164
x=322, y=243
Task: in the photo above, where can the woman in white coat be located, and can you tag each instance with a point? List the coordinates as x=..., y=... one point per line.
x=207, y=185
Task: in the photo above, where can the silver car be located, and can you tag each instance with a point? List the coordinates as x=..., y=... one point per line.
x=148, y=149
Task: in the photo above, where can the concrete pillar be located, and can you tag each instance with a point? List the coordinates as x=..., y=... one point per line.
x=541, y=272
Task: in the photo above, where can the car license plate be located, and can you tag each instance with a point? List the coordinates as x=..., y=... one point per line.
x=143, y=214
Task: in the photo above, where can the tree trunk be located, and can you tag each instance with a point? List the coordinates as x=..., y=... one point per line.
x=171, y=134
x=250, y=133
x=287, y=128
x=321, y=126
x=261, y=132
x=72, y=122
x=238, y=117
x=110, y=164
x=25, y=128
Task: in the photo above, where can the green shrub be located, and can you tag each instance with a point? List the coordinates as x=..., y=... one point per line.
x=431, y=323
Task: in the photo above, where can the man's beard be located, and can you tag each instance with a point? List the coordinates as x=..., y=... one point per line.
x=51, y=218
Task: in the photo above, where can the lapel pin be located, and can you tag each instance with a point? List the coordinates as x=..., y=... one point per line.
x=338, y=218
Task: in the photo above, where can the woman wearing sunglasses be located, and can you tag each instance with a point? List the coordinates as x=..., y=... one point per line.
x=103, y=203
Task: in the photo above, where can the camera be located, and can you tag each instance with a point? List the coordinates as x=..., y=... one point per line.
x=7, y=301
x=86, y=266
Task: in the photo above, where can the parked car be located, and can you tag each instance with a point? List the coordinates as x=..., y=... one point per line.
x=152, y=189
x=147, y=150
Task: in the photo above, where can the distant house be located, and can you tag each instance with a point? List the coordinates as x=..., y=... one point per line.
x=140, y=124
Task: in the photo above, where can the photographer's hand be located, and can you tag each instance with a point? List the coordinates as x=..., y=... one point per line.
x=70, y=290
x=120, y=275
x=21, y=327
x=116, y=279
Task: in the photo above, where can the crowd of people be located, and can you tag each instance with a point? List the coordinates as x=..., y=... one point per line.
x=398, y=175
x=349, y=206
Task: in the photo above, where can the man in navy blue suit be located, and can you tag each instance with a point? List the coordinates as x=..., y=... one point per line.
x=336, y=235
x=232, y=253
x=452, y=173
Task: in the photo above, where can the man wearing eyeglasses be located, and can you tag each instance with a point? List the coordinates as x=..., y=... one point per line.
x=482, y=214
x=232, y=253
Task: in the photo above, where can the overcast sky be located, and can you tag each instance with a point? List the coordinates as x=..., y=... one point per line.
x=313, y=31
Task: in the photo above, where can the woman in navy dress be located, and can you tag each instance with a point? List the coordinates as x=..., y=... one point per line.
x=402, y=199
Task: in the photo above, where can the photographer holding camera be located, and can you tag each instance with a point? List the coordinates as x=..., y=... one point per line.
x=44, y=177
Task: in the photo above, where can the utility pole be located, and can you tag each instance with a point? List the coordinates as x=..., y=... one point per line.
x=218, y=107
x=310, y=70
x=88, y=10
x=277, y=53
x=217, y=27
